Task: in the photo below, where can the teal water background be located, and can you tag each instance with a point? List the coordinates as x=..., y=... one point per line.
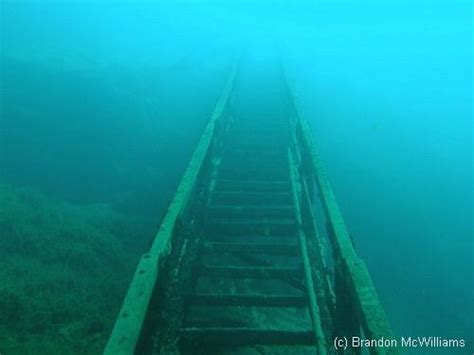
x=103, y=101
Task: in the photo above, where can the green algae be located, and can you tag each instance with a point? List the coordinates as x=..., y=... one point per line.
x=63, y=272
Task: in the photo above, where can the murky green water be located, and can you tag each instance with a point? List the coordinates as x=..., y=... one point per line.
x=103, y=102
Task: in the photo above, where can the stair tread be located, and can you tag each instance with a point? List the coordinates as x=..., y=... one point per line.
x=262, y=182
x=214, y=299
x=251, y=206
x=254, y=183
x=259, y=221
x=252, y=211
x=219, y=237
x=249, y=272
x=241, y=192
x=263, y=248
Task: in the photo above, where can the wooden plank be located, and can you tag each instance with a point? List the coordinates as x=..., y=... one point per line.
x=252, y=248
x=244, y=227
x=243, y=222
x=260, y=183
x=249, y=210
x=242, y=272
x=207, y=299
x=249, y=197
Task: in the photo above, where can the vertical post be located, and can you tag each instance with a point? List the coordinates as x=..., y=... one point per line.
x=319, y=251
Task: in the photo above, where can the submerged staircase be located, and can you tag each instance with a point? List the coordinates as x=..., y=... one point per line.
x=249, y=285
x=240, y=264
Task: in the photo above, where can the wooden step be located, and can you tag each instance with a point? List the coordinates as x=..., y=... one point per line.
x=245, y=174
x=221, y=196
x=259, y=185
x=246, y=336
x=259, y=147
x=210, y=299
x=243, y=153
x=236, y=165
x=247, y=226
x=250, y=210
x=253, y=238
x=253, y=164
x=242, y=272
x=251, y=248
x=254, y=137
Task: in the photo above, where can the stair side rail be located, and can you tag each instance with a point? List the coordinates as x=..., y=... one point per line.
x=129, y=323
x=356, y=296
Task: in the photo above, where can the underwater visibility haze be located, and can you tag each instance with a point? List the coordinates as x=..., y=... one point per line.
x=103, y=102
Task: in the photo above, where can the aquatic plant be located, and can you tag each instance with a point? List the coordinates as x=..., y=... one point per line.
x=64, y=270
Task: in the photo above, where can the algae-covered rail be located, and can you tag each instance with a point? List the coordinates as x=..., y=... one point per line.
x=253, y=252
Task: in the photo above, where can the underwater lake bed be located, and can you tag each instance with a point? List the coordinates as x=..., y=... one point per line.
x=64, y=269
